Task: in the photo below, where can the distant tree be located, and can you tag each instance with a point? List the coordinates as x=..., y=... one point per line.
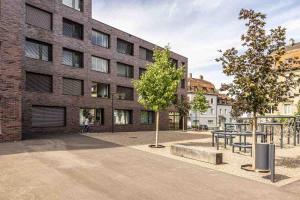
x=298, y=108
x=158, y=85
x=199, y=102
x=183, y=108
x=260, y=77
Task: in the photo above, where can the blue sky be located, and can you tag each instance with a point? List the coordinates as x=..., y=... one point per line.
x=195, y=28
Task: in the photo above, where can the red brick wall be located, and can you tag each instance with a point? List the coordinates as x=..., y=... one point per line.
x=11, y=25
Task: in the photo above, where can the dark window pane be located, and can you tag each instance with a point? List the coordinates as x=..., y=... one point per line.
x=141, y=71
x=147, y=117
x=38, y=82
x=76, y=4
x=43, y=116
x=101, y=90
x=38, y=17
x=125, y=93
x=72, y=29
x=146, y=54
x=100, y=39
x=38, y=50
x=72, y=58
x=124, y=70
x=124, y=47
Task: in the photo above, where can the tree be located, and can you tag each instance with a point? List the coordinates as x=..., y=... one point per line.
x=158, y=85
x=199, y=103
x=183, y=107
x=260, y=77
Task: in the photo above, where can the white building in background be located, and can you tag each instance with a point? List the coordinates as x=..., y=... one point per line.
x=220, y=108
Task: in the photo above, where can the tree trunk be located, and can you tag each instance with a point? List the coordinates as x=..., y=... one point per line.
x=157, y=129
x=183, y=124
x=254, y=127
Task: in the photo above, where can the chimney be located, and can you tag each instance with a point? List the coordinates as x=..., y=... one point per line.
x=190, y=75
x=201, y=77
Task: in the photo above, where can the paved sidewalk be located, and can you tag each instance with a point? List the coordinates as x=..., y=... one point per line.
x=80, y=167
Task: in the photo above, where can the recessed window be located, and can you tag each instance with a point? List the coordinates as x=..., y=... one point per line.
x=72, y=58
x=182, y=83
x=124, y=47
x=38, y=82
x=123, y=117
x=100, y=64
x=100, y=90
x=72, y=29
x=76, y=4
x=100, y=39
x=44, y=116
x=124, y=70
x=141, y=72
x=94, y=116
x=174, y=62
x=125, y=93
x=38, y=17
x=146, y=54
x=147, y=117
x=38, y=50
x=72, y=87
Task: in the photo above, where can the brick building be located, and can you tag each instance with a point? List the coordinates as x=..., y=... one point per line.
x=60, y=67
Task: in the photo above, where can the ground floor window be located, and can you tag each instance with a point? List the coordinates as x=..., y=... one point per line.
x=46, y=116
x=94, y=116
x=122, y=117
x=287, y=109
x=210, y=121
x=174, y=121
x=147, y=117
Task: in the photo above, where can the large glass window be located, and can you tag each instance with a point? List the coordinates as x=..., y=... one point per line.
x=100, y=39
x=147, y=117
x=100, y=64
x=100, y=90
x=72, y=58
x=125, y=93
x=124, y=70
x=146, y=54
x=124, y=47
x=72, y=29
x=94, y=116
x=38, y=50
x=76, y=4
x=123, y=117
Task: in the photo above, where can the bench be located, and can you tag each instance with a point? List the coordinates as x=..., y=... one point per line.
x=203, y=154
x=242, y=146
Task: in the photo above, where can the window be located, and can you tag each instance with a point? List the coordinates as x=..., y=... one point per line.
x=124, y=47
x=287, y=109
x=123, y=117
x=72, y=58
x=38, y=17
x=225, y=111
x=175, y=100
x=76, y=4
x=220, y=111
x=72, y=87
x=211, y=111
x=175, y=62
x=125, y=93
x=100, y=64
x=146, y=54
x=211, y=101
x=182, y=83
x=141, y=71
x=44, y=116
x=38, y=82
x=95, y=116
x=210, y=121
x=101, y=90
x=147, y=117
x=38, y=50
x=100, y=39
x=124, y=70
x=72, y=29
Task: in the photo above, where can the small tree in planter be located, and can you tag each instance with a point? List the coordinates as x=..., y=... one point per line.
x=199, y=103
x=158, y=85
x=261, y=78
x=183, y=107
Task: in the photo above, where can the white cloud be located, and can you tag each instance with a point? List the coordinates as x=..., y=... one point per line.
x=195, y=28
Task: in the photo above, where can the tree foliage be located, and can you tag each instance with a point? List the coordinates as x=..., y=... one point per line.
x=158, y=85
x=183, y=107
x=199, y=102
x=261, y=78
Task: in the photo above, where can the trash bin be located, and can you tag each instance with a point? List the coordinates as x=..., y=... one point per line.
x=262, y=156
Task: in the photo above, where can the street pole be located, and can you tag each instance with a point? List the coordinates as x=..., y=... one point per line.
x=112, y=113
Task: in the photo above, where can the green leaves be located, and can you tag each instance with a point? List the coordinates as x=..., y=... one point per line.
x=260, y=78
x=158, y=85
x=199, y=102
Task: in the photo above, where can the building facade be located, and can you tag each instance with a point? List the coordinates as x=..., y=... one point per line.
x=219, y=110
x=61, y=68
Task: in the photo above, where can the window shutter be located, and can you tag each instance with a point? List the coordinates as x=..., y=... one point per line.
x=38, y=17
x=38, y=82
x=72, y=87
x=43, y=116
